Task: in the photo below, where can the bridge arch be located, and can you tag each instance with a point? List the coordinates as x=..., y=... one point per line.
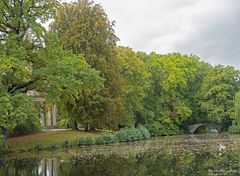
x=194, y=127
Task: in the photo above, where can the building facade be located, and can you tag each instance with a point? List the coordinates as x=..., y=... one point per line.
x=48, y=111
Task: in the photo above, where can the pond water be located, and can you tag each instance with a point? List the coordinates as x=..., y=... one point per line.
x=181, y=155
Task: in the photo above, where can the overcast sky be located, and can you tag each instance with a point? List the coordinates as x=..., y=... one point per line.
x=209, y=29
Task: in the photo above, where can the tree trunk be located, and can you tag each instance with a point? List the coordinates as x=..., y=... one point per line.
x=92, y=128
x=86, y=127
x=174, y=110
x=5, y=132
x=74, y=125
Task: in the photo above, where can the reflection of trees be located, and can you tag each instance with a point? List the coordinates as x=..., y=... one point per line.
x=48, y=167
x=29, y=167
x=165, y=162
x=19, y=167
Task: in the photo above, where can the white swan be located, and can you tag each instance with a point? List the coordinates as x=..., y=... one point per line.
x=222, y=147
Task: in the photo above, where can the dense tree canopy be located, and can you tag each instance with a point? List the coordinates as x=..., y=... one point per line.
x=97, y=84
x=217, y=93
x=136, y=82
x=37, y=62
x=83, y=27
x=20, y=16
x=165, y=104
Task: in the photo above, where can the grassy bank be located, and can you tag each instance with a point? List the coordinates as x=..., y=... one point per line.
x=46, y=139
x=52, y=140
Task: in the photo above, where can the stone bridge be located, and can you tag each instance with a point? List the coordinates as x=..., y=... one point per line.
x=194, y=127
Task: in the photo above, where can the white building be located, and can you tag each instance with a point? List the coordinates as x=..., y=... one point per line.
x=49, y=111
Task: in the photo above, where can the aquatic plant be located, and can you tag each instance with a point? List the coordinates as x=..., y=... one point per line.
x=53, y=146
x=38, y=147
x=66, y=144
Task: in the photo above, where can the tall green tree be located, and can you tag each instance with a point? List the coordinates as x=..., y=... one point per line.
x=165, y=106
x=83, y=27
x=136, y=83
x=191, y=93
x=32, y=59
x=217, y=92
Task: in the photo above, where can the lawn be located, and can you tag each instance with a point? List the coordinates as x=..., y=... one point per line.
x=46, y=139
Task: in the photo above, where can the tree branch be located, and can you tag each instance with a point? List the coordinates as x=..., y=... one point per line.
x=18, y=86
x=2, y=29
x=8, y=25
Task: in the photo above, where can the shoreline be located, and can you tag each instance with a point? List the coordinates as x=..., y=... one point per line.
x=163, y=142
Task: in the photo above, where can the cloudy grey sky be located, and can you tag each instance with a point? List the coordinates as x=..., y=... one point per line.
x=207, y=28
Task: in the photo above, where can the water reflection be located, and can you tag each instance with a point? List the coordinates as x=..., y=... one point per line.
x=185, y=157
x=29, y=167
x=48, y=167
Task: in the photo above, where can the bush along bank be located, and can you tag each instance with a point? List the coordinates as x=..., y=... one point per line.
x=3, y=145
x=123, y=135
x=234, y=129
x=163, y=129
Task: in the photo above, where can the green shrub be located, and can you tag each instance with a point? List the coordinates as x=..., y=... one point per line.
x=24, y=129
x=100, y=140
x=132, y=134
x=144, y=131
x=89, y=141
x=109, y=138
x=38, y=147
x=154, y=129
x=64, y=122
x=124, y=135
x=81, y=142
x=28, y=126
x=234, y=129
x=53, y=146
x=137, y=135
x=66, y=144
x=86, y=141
x=2, y=143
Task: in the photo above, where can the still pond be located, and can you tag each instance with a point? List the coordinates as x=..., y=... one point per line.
x=176, y=155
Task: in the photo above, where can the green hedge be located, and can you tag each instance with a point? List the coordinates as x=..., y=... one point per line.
x=144, y=131
x=29, y=126
x=133, y=134
x=86, y=141
x=123, y=135
x=106, y=138
x=234, y=129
